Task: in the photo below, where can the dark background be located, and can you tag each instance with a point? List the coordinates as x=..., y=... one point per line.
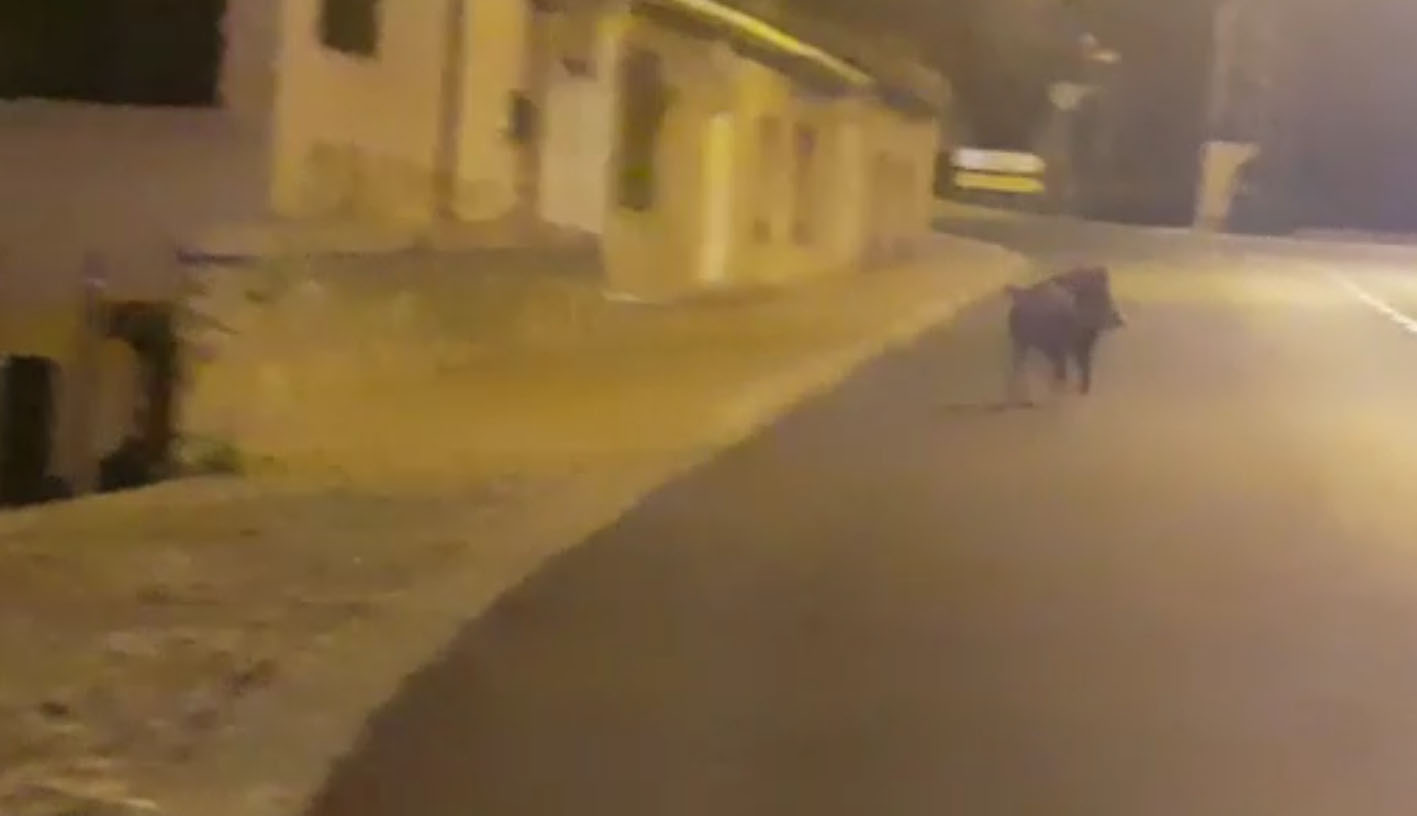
x=1342, y=136
x=140, y=52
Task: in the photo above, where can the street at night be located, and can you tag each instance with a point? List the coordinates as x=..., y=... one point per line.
x=577, y=407
x=1190, y=592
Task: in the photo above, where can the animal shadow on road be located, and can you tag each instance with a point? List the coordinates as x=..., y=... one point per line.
x=986, y=408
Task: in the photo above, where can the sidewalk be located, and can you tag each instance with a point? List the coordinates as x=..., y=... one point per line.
x=208, y=647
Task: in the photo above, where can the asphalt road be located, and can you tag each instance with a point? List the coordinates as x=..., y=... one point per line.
x=1193, y=592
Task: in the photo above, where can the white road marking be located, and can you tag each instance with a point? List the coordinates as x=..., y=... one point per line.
x=1408, y=323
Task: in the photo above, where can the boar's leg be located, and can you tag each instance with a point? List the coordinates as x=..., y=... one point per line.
x=1017, y=389
x=1083, y=350
x=1058, y=357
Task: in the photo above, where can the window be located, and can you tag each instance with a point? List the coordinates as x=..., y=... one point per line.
x=805, y=169
x=350, y=26
x=146, y=53
x=644, y=101
x=881, y=199
x=941, y=177
x=769, y=138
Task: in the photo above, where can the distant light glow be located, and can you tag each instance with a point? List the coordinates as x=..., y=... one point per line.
x=998, y=161
x=998, y=183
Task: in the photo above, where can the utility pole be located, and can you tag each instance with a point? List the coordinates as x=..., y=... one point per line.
x=1220, y=102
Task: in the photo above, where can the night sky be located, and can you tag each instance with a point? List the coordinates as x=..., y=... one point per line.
x=1349, y=96
x=1355, y=111
x=1350, y=115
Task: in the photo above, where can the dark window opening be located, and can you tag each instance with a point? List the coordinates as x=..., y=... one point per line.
x=350, y=26
x=122, y=52
x=769, y=159
x=645, y=100
x=943, y=174
x=143, y=455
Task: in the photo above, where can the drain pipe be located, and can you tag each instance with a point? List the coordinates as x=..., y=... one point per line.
x=445, y=160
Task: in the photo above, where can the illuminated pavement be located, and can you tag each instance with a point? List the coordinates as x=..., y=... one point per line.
x=1194, y=592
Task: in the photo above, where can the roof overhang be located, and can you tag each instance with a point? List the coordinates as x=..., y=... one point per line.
x=761, y=40
x=902, y=90
x=907, y=101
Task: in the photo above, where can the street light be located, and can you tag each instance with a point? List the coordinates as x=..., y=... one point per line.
x=1094, y=51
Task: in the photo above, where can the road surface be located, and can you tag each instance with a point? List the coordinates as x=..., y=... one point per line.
x=1193, y=592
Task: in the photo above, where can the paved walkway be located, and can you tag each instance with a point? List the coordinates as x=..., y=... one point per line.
x=214, y=645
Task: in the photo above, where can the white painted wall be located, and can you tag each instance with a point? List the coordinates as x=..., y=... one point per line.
x=251, y=32
x=719, y=161
x=579, y=137
x=577, y=143
x=1220, y=168
x=849, y=219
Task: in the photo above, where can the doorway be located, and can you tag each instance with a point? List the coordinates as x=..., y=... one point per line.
x=28, y=388
x=718, y=199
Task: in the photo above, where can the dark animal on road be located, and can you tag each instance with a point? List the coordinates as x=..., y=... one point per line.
x=1062, y=317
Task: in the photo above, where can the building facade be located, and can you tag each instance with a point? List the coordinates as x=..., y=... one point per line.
x=698, y=146
x=692, y=146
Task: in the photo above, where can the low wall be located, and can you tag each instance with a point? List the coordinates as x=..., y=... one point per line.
x=109, y=422
x=290, y=363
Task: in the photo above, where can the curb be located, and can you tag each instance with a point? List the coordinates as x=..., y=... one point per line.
x=831, y=370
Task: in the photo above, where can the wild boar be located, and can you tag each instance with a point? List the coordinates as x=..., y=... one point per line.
x=1062, y=317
